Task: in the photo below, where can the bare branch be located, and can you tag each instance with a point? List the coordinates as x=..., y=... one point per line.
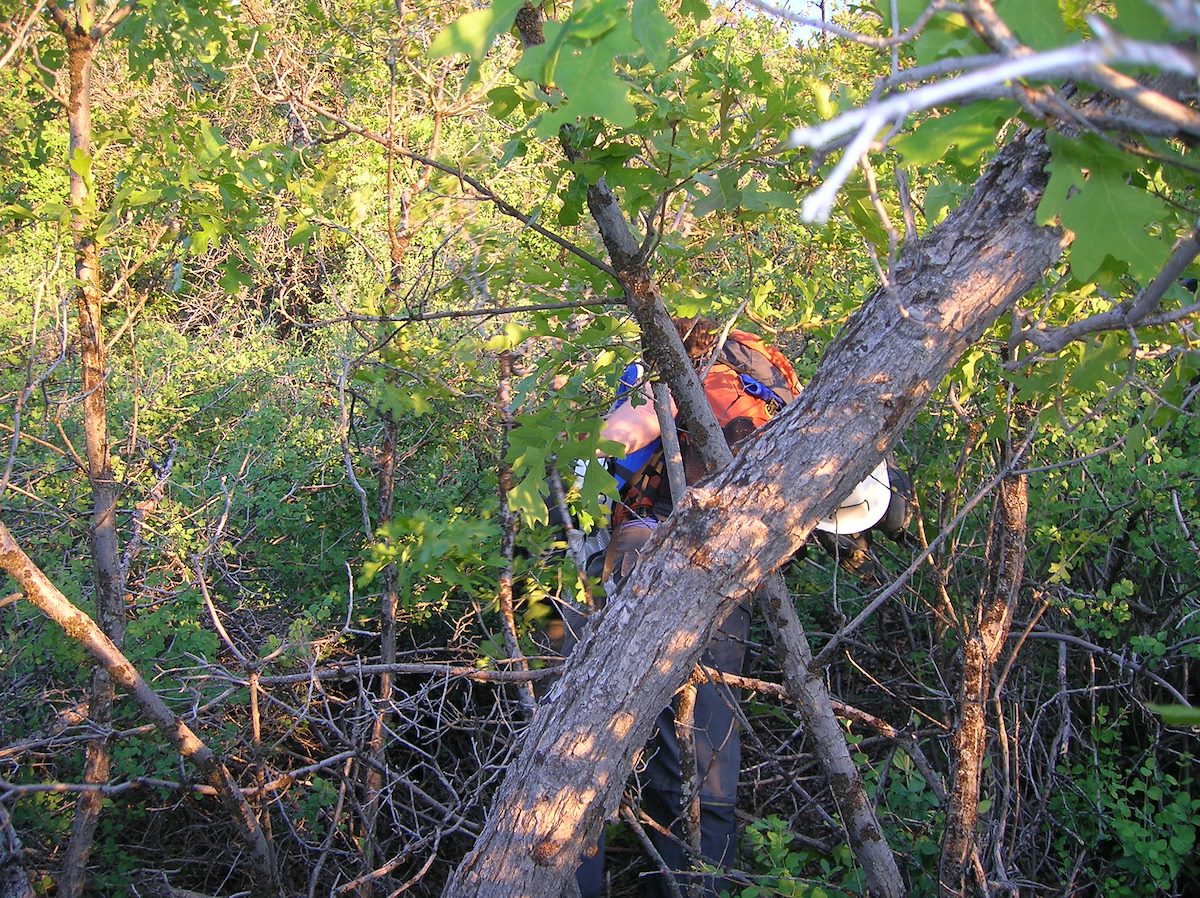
x=1135, y=313
x=487, y=193
x=21, y=34
x=114, y=17
x=878, y=43
x=81, y=628
x=1076, y=61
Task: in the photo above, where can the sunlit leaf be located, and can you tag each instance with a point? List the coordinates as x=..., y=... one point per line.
x=970, y=129
x=474, y=33
x=652, y=30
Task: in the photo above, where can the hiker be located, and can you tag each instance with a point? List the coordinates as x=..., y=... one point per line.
x=747, y=384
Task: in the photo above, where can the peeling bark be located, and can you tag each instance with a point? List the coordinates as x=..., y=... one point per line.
x=737, y=526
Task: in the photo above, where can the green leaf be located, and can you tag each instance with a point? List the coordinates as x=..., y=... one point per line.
x=1110, y=218
x=1038, y=24
x=503, y=101
x=652, y=30
x=303, y=234
x=907, y=10
x=947, y=35
x=81, y=164
x=205, y=236
x=1095, y=369
x=971, y=129
x=586, y=76
x=940, y=197
x=1177, y=715
x=597, y=482
x=697, y=9
x=474, y=33
x=1140, y=19
x=595, y=18
x=233, y=278
x=537, y=62
x=1088, y=193
x=526, y=499
x=754, y=200
x=723, y=192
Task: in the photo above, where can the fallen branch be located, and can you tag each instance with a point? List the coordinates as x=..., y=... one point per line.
x=81, y=628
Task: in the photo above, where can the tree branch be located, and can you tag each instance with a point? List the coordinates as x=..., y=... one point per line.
x=1133, y=313
x=487, y=193
x=81, y=628
x=1076, y=61
x=21, y=34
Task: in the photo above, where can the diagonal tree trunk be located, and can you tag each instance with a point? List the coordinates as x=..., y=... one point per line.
x=663, y=347
x=742, y=523
x=78, y=626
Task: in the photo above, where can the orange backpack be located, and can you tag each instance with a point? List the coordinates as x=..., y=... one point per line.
x=747, y=385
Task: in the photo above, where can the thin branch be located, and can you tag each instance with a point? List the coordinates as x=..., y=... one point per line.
x=824, y=656
x=484, y=312
x=1113, y=656
x=115, y=17
x=502, y=205
x=60, y=19
x=878, y=43
x=1134, y=313
x=83, y=630
x=21, y=34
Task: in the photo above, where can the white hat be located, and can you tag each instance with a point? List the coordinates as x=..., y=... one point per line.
x=864, y=507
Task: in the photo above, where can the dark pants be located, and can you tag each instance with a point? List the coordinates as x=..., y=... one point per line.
x=718, y=758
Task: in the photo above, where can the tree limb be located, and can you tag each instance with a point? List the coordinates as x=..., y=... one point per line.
x=81, y=628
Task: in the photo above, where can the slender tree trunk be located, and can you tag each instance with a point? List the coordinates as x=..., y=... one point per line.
x=106, y=569
x=807, y=688
x=508, y=534
x=389, y=601
x=737, y=526
x=985, y=635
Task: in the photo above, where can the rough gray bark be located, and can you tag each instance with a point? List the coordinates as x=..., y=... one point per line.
x=14, y=880
x=807, y=689
x=733, y=529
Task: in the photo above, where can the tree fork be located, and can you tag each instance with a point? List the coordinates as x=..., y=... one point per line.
x=985, y=635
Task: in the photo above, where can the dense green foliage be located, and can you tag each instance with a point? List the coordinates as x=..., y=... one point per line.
x=290, y=287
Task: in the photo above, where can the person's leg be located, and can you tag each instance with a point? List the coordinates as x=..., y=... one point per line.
x=590, y=872
x=718, y=762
